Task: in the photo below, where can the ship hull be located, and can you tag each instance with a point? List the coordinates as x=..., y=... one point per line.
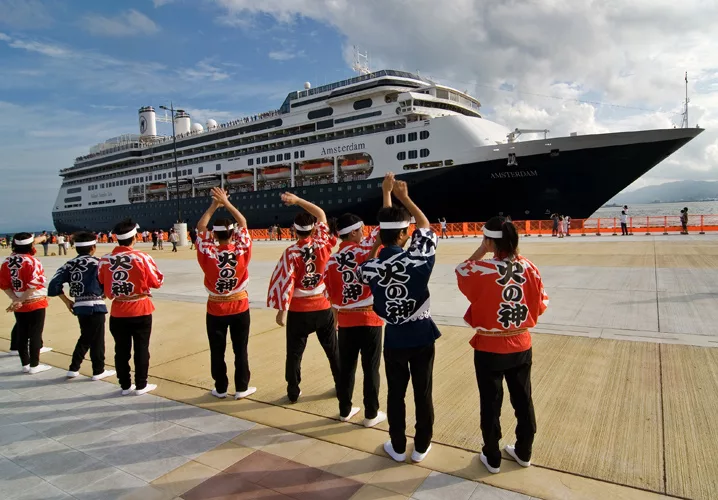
x=572, y=182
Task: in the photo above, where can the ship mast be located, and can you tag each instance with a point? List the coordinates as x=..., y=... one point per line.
x=684, y=121
x=361, y=62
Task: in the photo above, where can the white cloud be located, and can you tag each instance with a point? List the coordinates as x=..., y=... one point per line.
x=627, y=53
x=284, y=55
x=24, y=14
x=204, y=70
x=128, y=23
x=161, y=3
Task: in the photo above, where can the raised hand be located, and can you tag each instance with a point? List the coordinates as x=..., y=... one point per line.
x=220, y=196
x=388, y=183
x=401, y=190
x=290, y=199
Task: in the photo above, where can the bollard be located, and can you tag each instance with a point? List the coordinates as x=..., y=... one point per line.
x=702, y=229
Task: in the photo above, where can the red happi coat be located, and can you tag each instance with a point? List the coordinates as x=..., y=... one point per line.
x=19, y=272
x=127, y=275
x=226, y=273
x=351, y=298
x=507, y=297
x=297, y=283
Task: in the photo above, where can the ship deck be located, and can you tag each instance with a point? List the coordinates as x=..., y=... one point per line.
x=624, y=377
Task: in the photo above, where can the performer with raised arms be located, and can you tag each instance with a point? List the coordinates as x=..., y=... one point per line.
x=399, y=281
x=359, y=326
x=22, y=278
x=128, y=276
x=297, y=285
x=224, y=264
x=81, y=275
x=507, y=296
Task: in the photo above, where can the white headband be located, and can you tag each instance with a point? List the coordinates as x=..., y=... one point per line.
x=351, y=228
x=493, y=234
x=25, y=242
x=127, y=235
x=303, y=228
x=223, y=228
x=85, y=243
x=394, y=225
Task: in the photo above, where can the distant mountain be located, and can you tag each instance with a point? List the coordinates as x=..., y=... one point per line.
x=670, y=192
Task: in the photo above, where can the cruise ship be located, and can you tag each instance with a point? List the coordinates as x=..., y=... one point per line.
x=333, y=144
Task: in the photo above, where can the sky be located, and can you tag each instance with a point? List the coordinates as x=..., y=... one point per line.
x=74, y=72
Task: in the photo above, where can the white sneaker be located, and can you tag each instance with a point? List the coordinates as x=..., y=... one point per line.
x=371, y=422
x=220, y=395
x=43, y=350
x=13, y=353
x=26, y=369
x=105, y=374
x=38, y=369
x=511, y=450
x=352, y=412
x=389, y=449
x=485, y=461
x=418, y=457
x=148, y=388
x=71, y=374
x=248, y=392
x=127, y=392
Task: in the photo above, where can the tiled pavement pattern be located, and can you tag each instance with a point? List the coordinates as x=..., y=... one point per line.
x=63, y=439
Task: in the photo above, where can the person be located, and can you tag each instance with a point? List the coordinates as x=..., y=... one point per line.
x=278, y=231
x=61, y=250
x=80, y=273
x=45, y=242
x=225, y=267
x=22, y=278
x=399, y=282
x=624, y=223
x=192, y=237
x=270, y=231
x=554, y=218
x=174, y=239
x=506, y=298
x=566, y=224
x=297, y=285
x=444, y=234
x=154, y=239
x=127, y=276
x=684, y=220
x=359, y=326
x=560, y=226
x=160, y=239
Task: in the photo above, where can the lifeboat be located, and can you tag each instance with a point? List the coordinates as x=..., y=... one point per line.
x=358, y=165
x=276, y=172
x=157, y=188
x=240, y=178
x=203, y=184
x=317, y=168
x=183, y=187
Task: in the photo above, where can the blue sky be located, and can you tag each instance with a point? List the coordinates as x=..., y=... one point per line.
x=74, y=72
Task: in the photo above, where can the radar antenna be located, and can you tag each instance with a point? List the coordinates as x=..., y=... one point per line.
x=361, y=62
x=684, y=121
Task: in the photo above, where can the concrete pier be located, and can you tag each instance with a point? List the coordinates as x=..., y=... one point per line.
x=624, y=377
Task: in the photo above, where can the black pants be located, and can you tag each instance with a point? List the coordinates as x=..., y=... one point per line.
x=400, y=365
x=127, y=331
x=491, y=369
x=92, y=338
x=238, y=325
x=624, y=229
x=352, y=341
x=299, y=326
x=13, y=338
x=174, y=246
x=28, y=329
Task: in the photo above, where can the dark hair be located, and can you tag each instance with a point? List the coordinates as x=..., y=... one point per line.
x=508, y=245
x=392, y=214
x=304, y=219
x=81, y=237
x=345, y=221
x=21, y=248
x=222, y=235
x=124, y=227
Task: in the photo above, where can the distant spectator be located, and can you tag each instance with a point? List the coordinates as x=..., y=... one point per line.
x=45, y=242
x=155, y=235
x=560, y=226
x=444, y=234
x=624, y=223
x=61, y=250
x=174, y=239
x=567, y=225
x=554, y=231
x=192, y=237
x=160, y=239
x=684, y=220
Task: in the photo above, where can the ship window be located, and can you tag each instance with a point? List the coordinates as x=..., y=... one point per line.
x=320, y=113
x=74, y=190
x=329, y=189
x=287, y=156
x=401, y=155
x=184, y=172
x=413, y=154
x=368, y=186
x=358, y=199
x=424, y=153
x=390, y=140
x=448, y=163
x=73, y=199
x=201, y=169
x=411, y=166
x=301, y=154
x=250, y=162
x=349, y=188
x=296, y=155
x=362, y=104
x=264, y=159
x=102, y=186
x=401, y=138
x=164, y=176
x=189, y=171
x=424, y=134
x=349, y=200
x=321, y=190
x=218, y=166
x=324, y=124
x=431, y=164
x=339, y=200
x=412, y=136
x=272, y=158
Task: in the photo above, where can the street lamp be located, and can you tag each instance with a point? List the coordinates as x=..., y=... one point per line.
x=171, y=109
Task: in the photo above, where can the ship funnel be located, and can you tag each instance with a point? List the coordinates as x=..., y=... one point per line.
x=182, y=122
x=148, y=122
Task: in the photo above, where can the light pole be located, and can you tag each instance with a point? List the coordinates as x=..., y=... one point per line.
x=171, y=109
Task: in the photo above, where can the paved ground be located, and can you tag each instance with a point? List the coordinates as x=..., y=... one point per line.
x=611, y=411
